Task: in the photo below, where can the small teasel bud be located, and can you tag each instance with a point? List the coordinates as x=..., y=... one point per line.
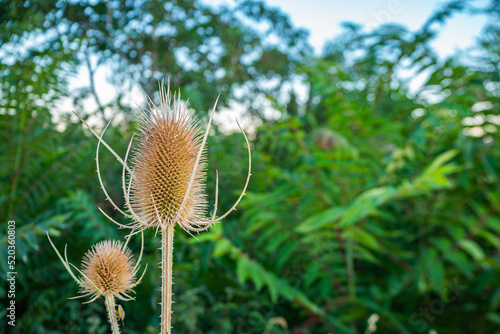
x=110, y=268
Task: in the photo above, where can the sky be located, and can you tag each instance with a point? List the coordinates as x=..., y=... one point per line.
x=323, y=18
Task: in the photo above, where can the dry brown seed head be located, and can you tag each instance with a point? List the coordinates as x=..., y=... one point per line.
x=164, y=159
x=110, y=268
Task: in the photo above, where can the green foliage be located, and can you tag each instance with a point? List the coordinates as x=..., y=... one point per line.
x=372, y=197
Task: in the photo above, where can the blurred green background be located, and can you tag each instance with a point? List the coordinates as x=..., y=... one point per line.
x=374, y=202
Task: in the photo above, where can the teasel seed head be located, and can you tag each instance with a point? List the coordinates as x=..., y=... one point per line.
x=107, y=270
x=164, y=160
x=166, y=178
x=110, y=268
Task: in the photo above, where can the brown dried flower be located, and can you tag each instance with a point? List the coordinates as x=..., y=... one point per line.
x=167, y=179
x=164, y=159
x=110, y=267
x=108, y=270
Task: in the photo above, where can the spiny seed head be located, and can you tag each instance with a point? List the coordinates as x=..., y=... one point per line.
x=164, y=159
x=110, y=268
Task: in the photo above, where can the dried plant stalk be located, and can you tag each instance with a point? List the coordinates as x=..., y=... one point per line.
x=112, y=316
x=167, y=248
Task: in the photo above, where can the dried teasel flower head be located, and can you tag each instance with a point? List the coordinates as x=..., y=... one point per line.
x=166, y=179
x=109, y=268
x=165, y=157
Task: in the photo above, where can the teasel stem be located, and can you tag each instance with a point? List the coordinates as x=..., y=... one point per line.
x=167, y=250
x=113, y=319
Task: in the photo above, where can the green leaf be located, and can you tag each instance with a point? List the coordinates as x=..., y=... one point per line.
x=490, y=237
x=364, y=238
x=494, y=224
x=273, y=285
x=472, y=248
x=320, y=220
x=434, y=176
x=4, y=254
x=439, y=161
x=243, y=268
x=493, y=317
x=257, y=275
x=277, y=241
x=22, y=249
x=495, y=300
x=365, y=203
x=222, y=247
x=434, y=268
x=461, y=261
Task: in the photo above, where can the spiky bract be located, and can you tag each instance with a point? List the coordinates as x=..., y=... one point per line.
x=110, y=267
x=163, y=160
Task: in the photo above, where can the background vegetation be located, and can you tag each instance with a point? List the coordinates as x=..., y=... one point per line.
x=369, y=198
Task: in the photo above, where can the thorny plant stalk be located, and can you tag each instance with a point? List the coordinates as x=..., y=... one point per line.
x=107, y=270
x=112, y=316
x=167, y=249
x=166, y=183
